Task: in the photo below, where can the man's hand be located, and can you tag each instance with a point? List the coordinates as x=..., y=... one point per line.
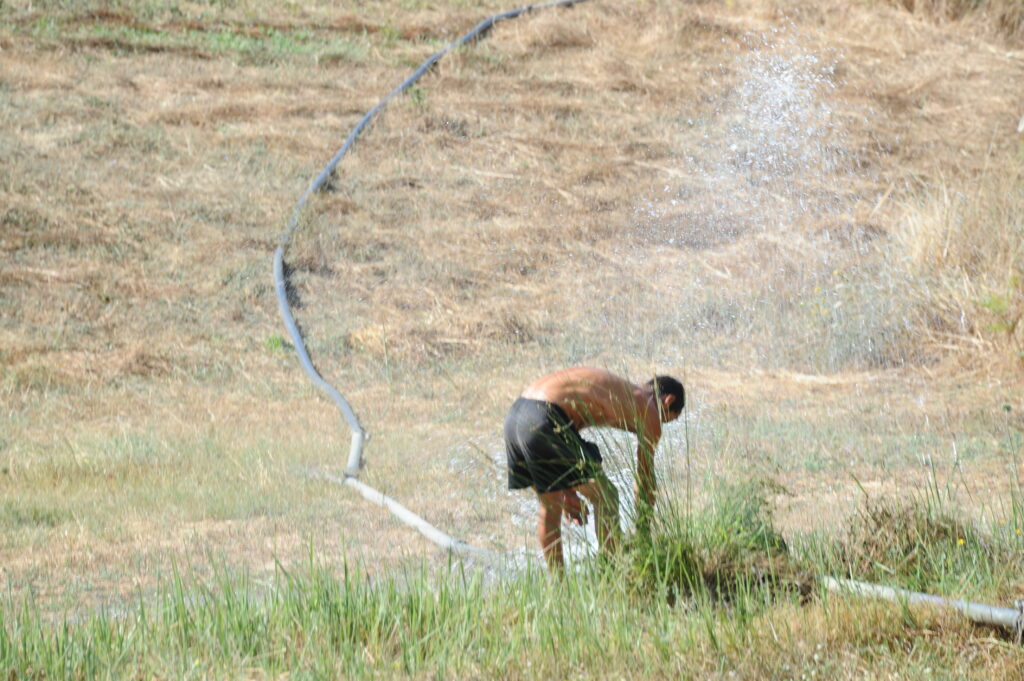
x=572, y=508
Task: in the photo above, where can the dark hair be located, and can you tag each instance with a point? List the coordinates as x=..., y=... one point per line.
x=666, y=385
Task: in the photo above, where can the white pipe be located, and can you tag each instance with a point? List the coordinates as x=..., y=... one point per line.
x=414, y=521
x=355, y=453
x=1008, y=618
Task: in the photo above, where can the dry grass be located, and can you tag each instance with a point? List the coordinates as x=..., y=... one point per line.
x=1003, y=18
x=566, y=191
x=964, y=253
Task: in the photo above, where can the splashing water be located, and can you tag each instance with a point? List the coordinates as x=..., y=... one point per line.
x=768, y=154
x=770, y=265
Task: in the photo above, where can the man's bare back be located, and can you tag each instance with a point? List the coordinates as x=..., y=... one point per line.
x=595, y=397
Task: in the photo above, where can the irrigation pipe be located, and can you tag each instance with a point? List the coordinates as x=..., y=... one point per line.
x=359, y=435
x=1008, y=618
x=435, y=535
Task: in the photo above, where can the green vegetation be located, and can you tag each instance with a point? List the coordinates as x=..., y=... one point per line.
x=716, y=593
x=276, y=343
x=139, y=32
x=928, y=548
x=728, y=551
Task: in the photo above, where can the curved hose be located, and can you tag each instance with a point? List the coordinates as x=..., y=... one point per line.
x=355, y=461
x=359, y=436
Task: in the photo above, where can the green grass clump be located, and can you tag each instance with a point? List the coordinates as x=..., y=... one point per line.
x=925, y=545
x=724, y=551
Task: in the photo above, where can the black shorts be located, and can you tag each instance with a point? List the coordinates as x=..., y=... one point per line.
x=545, y=450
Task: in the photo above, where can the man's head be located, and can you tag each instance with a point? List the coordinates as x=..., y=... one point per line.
x=670, y=396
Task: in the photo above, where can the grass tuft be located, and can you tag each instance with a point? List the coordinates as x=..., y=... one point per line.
x=923, y=546
x=724, y=552
x=963, y=252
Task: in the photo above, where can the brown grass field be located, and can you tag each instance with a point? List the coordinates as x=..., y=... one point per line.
x=811, y=211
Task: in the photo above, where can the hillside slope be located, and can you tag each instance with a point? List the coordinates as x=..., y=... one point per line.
x=812, y=210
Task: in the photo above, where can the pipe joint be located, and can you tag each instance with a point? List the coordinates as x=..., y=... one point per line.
x=355, y=453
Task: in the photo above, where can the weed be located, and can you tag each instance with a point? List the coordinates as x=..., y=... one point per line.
x=1007, y=309
x=390, y=34
x=921, y=545
x=16, y=515
x=965, y=256
x=726, y=551
x=417, y=96
x=277, y=343
x=44, y=27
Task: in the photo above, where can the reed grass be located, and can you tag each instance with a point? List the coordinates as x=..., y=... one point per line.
x=703, y=595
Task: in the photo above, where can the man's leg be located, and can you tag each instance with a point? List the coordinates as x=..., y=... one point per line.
x=602, y=495
x=549, y=528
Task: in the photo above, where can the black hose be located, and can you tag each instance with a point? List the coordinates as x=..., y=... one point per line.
x=280, y=273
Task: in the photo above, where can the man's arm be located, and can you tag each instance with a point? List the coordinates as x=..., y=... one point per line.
x=646, y=483
x=647, y=438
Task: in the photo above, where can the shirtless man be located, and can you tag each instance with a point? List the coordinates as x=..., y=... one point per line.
x=545, y=450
